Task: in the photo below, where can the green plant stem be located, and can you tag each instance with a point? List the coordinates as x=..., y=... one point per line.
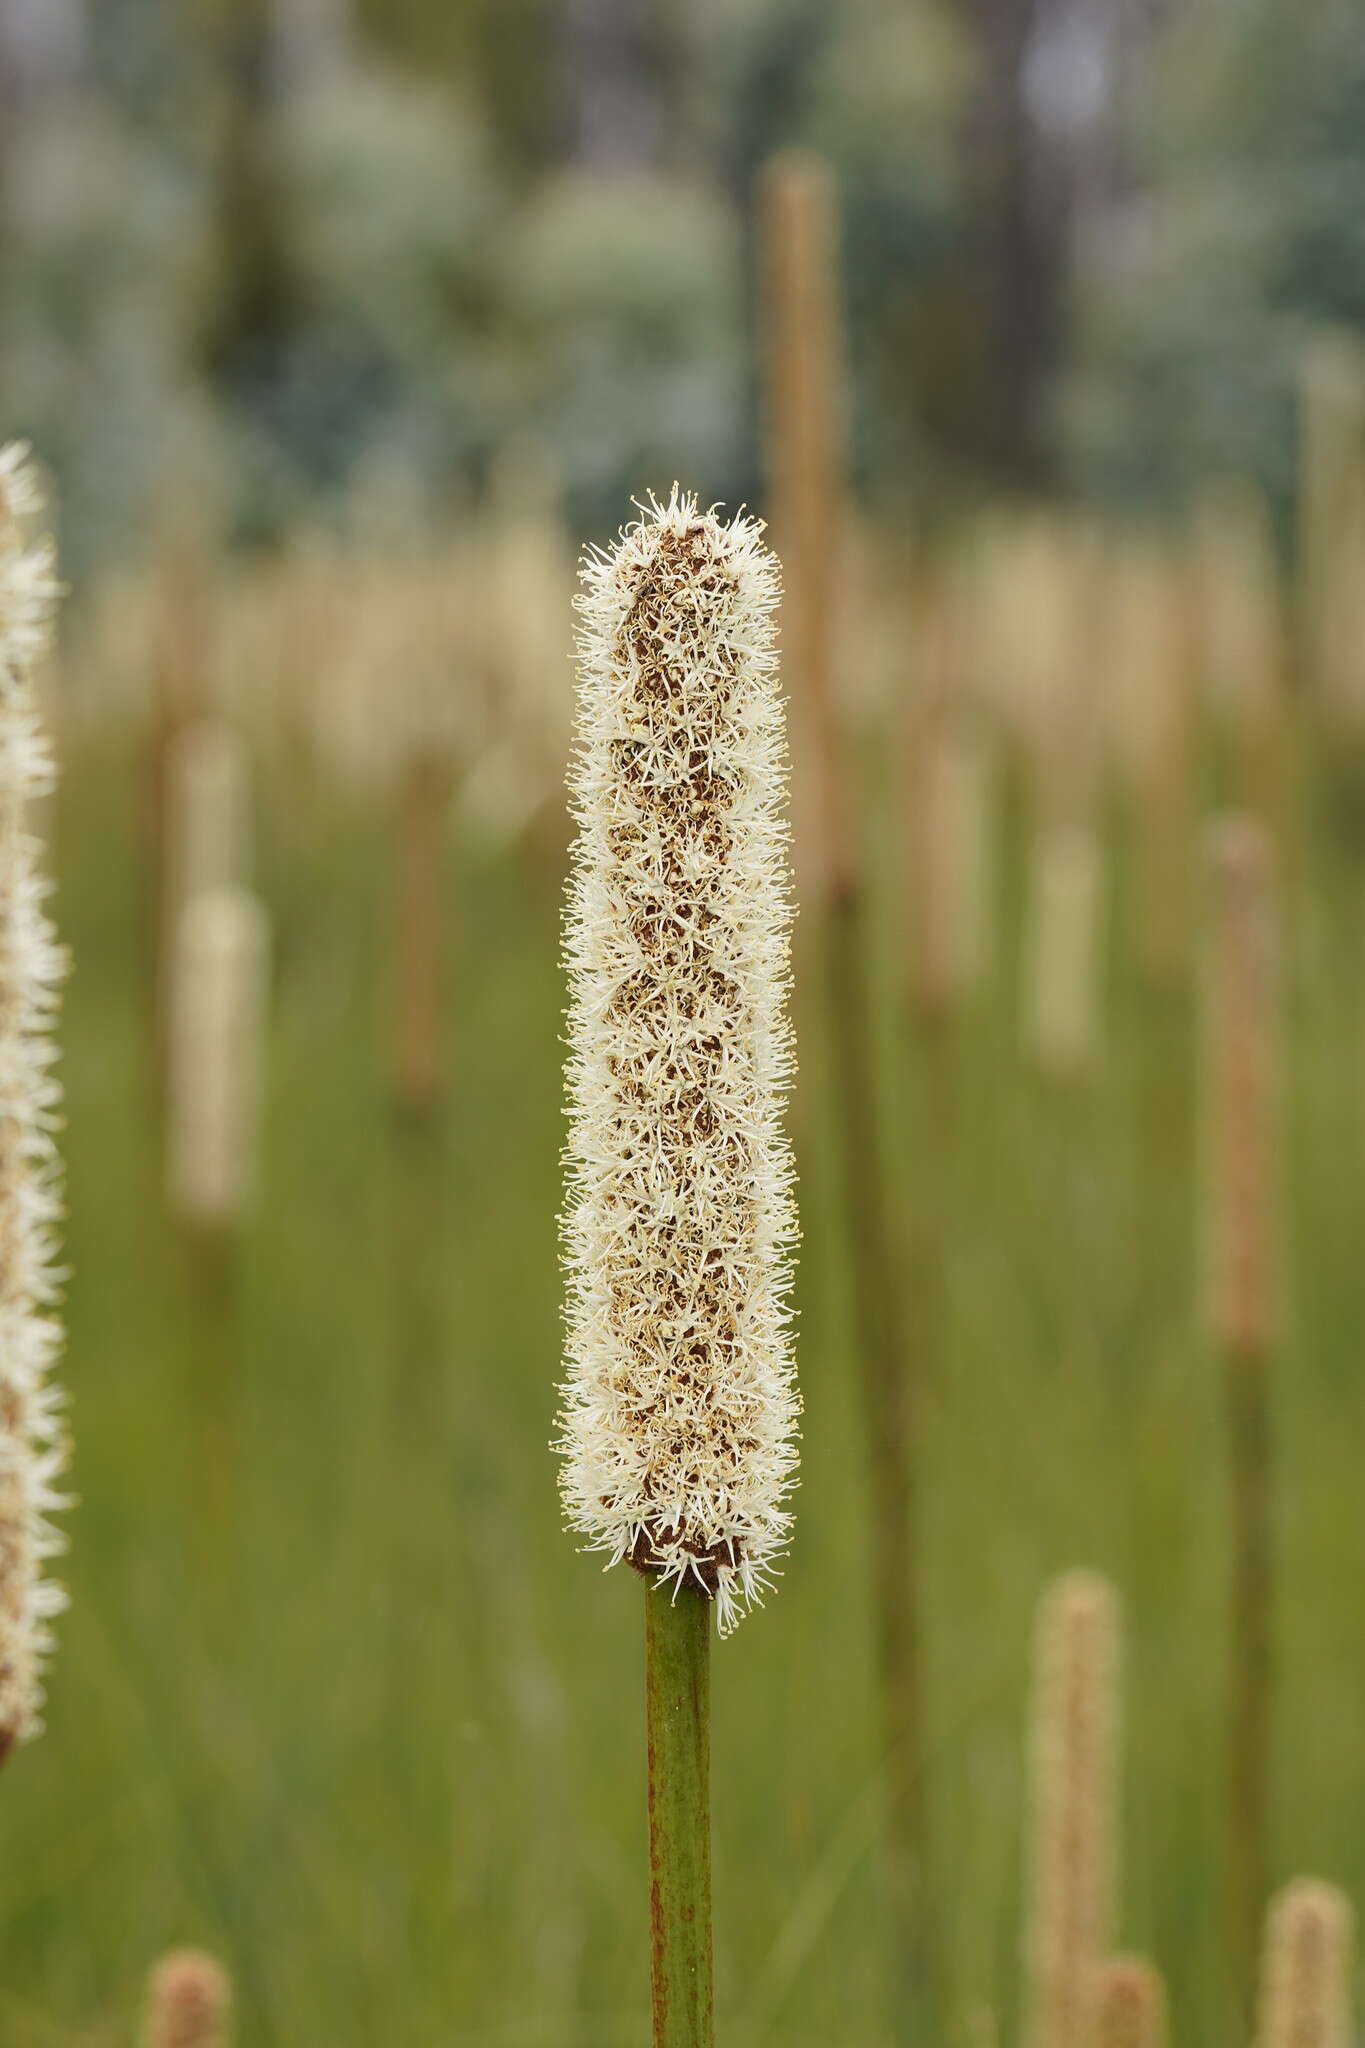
x=678, y=1722
x=889, y=1419
x=1249, y=1699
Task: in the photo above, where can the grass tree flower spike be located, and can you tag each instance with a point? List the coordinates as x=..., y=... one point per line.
x=680, y=1404
x=1130, y=2005
x=189, y=2000
x=1307, y=1967
x=32, y=966
x=1074, y=1837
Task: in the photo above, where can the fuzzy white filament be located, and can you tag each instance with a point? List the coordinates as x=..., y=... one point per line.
x=32, y=966
x=680, y=1404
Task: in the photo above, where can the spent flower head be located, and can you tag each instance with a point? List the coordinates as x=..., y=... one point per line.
x=680, y=1404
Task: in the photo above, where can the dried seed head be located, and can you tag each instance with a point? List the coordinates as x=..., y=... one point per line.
x=1241, y=1056
x=1306, y=1969
x=218, y=1015
x=189, y=1998
x=1072, y=1768
x=1130, y=2004
x=32, y=967
x=680, y=1403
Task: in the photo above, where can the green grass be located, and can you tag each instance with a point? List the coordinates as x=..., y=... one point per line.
x=338, y=1698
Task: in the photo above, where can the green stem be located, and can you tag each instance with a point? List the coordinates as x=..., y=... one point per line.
x=212, y=1265
x=889, y=1377
x=678, y=1720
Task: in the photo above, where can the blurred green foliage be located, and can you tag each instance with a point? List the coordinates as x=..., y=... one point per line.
x=1242, y=238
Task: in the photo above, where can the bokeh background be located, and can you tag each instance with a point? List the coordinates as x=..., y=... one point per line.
x=309, y=237
x=338, y=327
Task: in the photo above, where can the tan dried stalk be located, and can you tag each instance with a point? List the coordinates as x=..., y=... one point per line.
x=806, y=435
x=806, y=441
x=1073, y=1799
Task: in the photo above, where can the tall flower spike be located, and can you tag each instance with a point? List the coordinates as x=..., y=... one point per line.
x=1071, y=1878
x=1306, y=1969
x=219, y=1006
x=680, y=1403
x=189, y=1999
x=1130, y=2004
x=31, y=969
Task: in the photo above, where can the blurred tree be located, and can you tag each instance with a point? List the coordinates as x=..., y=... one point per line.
x=615, y=55
x=41, y=42
x=504, y=55
x=1039, y=153
x=248, y=304
x=624, y=298
x=311, y=36
x=1241, y=235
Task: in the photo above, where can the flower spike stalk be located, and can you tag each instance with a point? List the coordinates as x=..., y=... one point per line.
x=32, y=966
x=680, y=1402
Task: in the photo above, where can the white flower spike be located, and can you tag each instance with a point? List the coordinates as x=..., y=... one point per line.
x=680, y=1406
x=32, y=966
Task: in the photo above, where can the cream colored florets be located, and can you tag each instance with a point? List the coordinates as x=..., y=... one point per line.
x=31, y=968
x=680, y=1405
